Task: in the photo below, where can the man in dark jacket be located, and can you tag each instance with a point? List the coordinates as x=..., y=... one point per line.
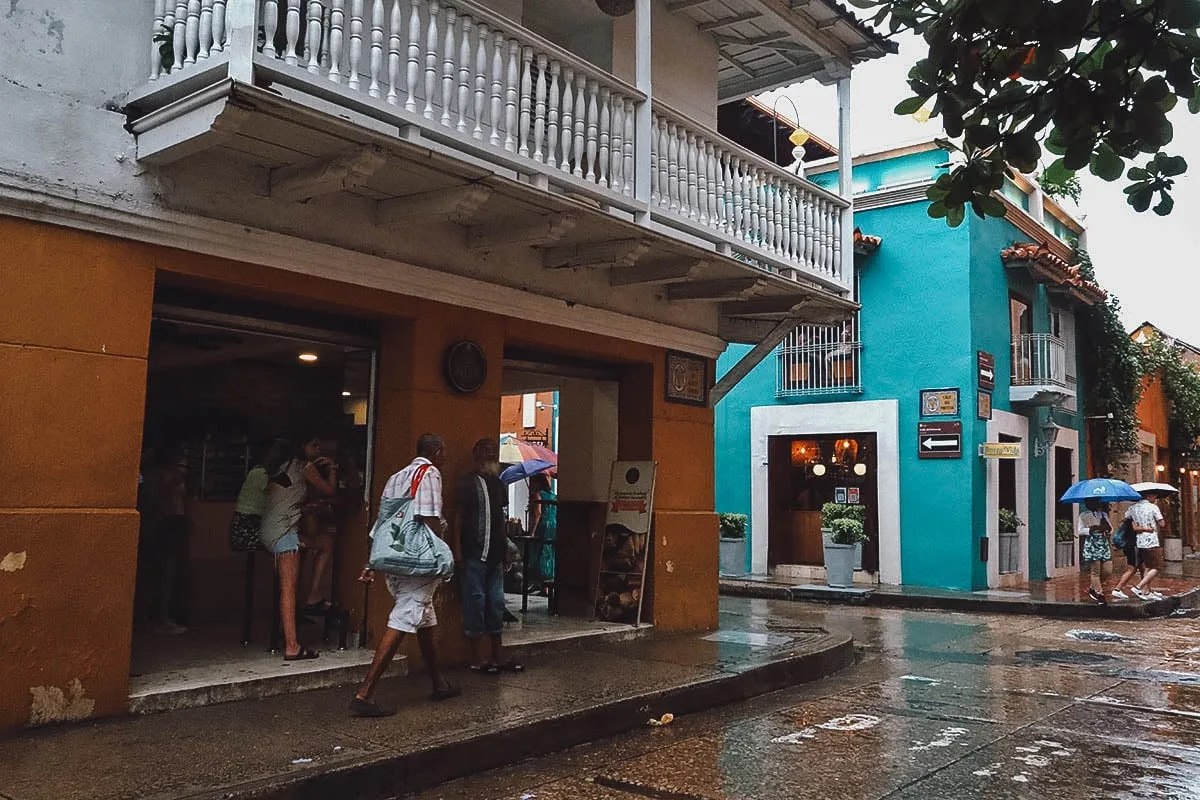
x=482, y=507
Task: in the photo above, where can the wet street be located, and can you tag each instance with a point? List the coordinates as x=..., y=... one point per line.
x=940, y=705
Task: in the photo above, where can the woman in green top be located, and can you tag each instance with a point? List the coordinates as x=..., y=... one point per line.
x=544, y=523
x=248, y=511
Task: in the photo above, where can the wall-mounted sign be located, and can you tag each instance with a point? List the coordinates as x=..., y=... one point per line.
x=1009, y=450
x=987, y=371
x=839, y=495
x=853, y=495
x=984, y=404
x=939, y=402
x=939, y=440
x=466, y=367
x=687, y=379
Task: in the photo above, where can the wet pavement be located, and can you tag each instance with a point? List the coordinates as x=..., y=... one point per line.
x=940, y=705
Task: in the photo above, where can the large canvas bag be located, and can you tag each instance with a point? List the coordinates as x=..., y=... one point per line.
x=403, y=545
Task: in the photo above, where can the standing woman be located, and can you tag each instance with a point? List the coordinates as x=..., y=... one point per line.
x=543, y=505
x=280, y=534
x=320, y=474
x=1094, y=530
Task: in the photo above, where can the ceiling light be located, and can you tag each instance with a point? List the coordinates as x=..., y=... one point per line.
x=818, y=470
x=860, y=469
x=309, y=358
x=345, y=394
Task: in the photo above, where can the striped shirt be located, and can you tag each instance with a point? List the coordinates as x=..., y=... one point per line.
x=428, y=502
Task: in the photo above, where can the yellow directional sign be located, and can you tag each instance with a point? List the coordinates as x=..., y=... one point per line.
x=1000, y=450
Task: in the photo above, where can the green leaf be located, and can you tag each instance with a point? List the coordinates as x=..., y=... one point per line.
x=909, y=106
x=937, y=210
x=1172, y=166
x=1138, y=174
x=1106, y=164
x=1140, y=198
x=1056, y=173
x=992, y=206
x=1165, y=205
x=1194, y=102
x=956, y=216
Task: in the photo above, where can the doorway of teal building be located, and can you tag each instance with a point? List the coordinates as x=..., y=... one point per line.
x=1065, y=542
x=805, y=472
x=1010, y=524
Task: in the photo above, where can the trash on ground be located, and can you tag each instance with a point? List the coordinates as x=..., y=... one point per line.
x=665, y=719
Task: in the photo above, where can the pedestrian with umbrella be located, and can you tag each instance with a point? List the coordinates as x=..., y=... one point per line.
x=1095, y=528
x=1145, y=521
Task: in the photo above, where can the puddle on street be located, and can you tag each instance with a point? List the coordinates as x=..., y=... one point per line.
x=1064, y=657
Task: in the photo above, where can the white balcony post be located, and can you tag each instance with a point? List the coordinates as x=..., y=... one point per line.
x=846, y=181
x=241, y=22
x=643, y=123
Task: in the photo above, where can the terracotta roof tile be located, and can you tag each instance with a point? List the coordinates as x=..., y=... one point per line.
x=1054, y=270
x=865, y=242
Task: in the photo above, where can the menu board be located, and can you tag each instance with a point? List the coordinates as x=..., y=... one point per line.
x=622, y=579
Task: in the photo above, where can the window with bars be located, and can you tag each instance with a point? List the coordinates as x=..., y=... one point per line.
x=820, y=359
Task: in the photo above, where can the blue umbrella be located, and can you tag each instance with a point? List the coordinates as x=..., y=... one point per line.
x=1107, y=489
x=526, y=469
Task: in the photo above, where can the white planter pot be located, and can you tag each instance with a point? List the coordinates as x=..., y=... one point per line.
x=827, y=538
x=839, y=565
x=733, y=557
x=1064, y=553
x=1173, y=549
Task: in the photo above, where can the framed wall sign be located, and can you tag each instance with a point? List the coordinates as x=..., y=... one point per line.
x=984, y=403
x=939, y=402
x=466, y=367
x=687, y=379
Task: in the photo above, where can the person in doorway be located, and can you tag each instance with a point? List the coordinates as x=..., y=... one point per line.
x=317, y=523
x=482, y=518
x=1145, y=551
x=1094, y=529
x=543, y=508
x=166, y=501
x=413, y=610
x=280, y=535
x=246, y=523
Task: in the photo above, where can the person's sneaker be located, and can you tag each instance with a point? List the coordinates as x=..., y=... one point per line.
x=1155, y=596
x=1138, y=593
x=1118, y=594
x=369, y=709
x=1099, y=598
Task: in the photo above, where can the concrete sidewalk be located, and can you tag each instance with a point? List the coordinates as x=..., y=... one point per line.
x=1063, y=598
x=306, y=746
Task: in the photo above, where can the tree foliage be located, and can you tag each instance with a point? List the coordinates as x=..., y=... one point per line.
x=1112, y=367
x=1090, y=81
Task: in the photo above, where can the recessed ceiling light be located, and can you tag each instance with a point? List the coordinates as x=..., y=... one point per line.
x=309, y=358
x=345, y=394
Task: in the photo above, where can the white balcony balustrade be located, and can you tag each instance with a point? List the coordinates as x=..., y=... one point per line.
x=1039, y=370
x=820, y=360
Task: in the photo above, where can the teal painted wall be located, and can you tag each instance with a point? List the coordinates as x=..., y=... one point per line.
x=932, y=296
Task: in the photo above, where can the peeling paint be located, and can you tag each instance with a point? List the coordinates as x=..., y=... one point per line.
x=50, y=704
x=13, y=562
x=670, y=566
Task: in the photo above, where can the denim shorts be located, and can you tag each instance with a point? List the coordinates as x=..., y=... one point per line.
x=483, y=598
x=288, y=543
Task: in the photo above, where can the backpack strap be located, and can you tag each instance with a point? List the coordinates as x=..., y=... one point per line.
x=417, y=478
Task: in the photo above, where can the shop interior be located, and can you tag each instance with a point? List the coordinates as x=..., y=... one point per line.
x=804, y=474
x=222, y=389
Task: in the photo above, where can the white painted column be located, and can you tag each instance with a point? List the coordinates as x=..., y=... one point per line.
x=1036, y=208
x=846, y=180
x=241, y=22
x=644, y=121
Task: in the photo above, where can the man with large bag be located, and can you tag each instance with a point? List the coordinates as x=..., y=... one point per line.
x=406, y=545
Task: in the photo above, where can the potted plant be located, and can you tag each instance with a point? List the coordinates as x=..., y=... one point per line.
x=844, y=530
x=1064, y=543
x=733, y=543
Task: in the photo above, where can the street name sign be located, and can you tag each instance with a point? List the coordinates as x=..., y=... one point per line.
x=1009, y=450
x=939, y=402
x=939, y=440
x=987, y=370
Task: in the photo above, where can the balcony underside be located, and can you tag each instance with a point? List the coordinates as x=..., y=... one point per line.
x=285, y=160
x=1040, y=394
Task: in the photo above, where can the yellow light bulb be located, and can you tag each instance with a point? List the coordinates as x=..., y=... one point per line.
x=799, y=137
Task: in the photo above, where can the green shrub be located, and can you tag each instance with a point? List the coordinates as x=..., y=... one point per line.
x=847, y=531
x=835, y=511
x=1064, y=531
x=1009, y=521
x=733, y=526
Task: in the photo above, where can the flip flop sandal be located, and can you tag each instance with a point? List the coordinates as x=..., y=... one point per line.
x=485, y=669
x=446, y=694
x=305, y=654
x=511, y=666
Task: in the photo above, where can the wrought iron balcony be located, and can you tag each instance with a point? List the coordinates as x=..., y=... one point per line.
x=1039, y=370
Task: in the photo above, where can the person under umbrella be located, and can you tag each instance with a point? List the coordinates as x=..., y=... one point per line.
x=1144, y=552
x=1094, y=530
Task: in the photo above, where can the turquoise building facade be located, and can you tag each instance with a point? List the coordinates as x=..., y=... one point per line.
x=939, y=306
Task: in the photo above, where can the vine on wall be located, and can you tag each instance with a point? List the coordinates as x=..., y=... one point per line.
x=1164, y=361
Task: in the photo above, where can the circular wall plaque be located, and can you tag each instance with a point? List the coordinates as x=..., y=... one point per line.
x=466, y=367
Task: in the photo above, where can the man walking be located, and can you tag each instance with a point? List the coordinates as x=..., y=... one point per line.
x=482, y=507
x=413, y=610
x=1146, y=520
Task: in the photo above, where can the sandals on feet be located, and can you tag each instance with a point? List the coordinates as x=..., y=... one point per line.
x=305, y=654
x=511, y=665
x=487, y=668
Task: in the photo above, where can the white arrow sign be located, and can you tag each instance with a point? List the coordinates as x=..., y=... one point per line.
x=987, y=373
x=938, y=444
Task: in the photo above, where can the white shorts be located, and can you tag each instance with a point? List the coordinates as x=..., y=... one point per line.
x=414, y=603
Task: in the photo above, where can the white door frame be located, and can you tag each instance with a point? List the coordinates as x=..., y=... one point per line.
x=1068, y=439
x=1007, y=424
x=881, y=417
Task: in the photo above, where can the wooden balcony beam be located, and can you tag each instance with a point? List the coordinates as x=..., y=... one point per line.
x=336, y=173
x=662, y=272
x=729, y=289
x=725, y=22
x=767, y=306
x=752, y=359
x=459, y=205
x=619, y=254
x=683, y=5
x=546, y=231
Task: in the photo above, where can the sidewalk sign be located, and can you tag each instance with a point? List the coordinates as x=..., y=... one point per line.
x=621, y=582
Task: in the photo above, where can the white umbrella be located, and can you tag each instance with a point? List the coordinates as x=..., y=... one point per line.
x=1154, y=487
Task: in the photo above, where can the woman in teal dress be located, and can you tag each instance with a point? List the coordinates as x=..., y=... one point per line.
x=544, y=523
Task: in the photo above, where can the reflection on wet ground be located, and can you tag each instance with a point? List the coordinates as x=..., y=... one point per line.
x=940, y=705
